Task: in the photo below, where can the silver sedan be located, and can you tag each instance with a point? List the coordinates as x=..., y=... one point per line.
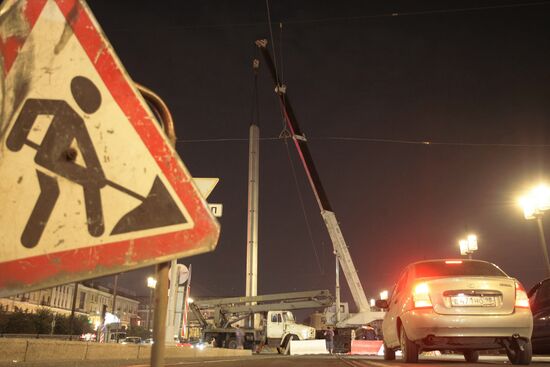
x=459, y=305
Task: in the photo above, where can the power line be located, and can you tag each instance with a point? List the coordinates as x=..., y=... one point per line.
x=303, y=207
x=428, y=142
x=375, y=140
x=361, y=17
x=420, y=12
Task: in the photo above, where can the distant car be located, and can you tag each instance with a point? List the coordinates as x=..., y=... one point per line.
x=131, y=340
x=147, y=341
x=459, y=305
x=539, y=298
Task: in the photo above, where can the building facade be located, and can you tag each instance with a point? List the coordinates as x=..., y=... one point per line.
x=90, y=301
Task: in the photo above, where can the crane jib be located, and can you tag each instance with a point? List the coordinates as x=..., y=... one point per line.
x=338, y=241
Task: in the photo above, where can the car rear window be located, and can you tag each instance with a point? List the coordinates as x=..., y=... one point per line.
x=456, y=268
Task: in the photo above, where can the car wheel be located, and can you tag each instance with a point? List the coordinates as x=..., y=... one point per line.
x=389, y=353
x=517, y=356
x=409, y=349
x=471, y=356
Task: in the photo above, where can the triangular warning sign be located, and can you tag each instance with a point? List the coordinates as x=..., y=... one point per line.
x=90, y=185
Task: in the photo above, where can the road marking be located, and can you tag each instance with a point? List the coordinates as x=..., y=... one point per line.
x=378, y=364
x=208, y=361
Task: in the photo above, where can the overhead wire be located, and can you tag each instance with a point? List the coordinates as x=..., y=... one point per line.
x=285, y=134
x=361, y=17
x=375, y=140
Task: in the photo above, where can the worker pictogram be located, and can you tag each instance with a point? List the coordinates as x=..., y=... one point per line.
x=90, y=185
x=65, y=140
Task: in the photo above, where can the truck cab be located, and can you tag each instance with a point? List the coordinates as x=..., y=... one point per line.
x=281, y=326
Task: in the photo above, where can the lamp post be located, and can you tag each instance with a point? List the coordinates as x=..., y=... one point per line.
x=151, y=283
x=534, y=204
x=468, y=245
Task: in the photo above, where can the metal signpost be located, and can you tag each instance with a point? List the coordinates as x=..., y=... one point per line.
x=91, y=185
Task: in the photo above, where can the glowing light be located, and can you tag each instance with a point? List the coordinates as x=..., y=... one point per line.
x=453, y=261
x=384, y=294
x=522, y=301
x=468, y=245
x=472, y=242
x=372, y=302
x=421, y=296
x=536, y=201
x=111, y=319
x=151, y=282
x=422, y=288
x=463, y=247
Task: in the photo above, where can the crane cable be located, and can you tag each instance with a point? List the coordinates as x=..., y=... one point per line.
x=285, y=135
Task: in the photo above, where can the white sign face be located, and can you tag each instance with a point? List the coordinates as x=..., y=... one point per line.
x=216, y=209
x=90, y=185
x=205, y=185
x=183, y=274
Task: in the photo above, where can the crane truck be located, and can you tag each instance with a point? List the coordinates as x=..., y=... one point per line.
x=343, y=258
x=279, y=324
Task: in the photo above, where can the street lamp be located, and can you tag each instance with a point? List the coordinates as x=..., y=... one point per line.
x=468, y=245
x=534, y=204
x=151, y=283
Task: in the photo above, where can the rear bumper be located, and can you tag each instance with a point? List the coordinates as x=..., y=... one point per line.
x=428, y=328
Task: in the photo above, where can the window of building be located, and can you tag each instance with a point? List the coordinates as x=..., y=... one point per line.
x=82, y=300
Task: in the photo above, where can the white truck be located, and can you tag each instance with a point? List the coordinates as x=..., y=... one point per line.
x=219, y=318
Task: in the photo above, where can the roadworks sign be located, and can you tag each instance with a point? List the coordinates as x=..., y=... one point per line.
x=90, y=185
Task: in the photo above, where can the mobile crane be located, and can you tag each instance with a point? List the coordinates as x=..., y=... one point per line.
x=343, y=257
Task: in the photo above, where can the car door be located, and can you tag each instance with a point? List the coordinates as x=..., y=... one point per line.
x=389, y=325
x=540, y=306
x=275, y=325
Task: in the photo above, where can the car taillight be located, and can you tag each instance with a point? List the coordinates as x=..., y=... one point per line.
x=421, y=296
x=522, y=301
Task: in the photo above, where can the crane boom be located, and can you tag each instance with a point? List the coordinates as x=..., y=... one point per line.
x=339, y=244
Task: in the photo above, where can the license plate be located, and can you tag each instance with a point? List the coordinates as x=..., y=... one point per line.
x=473, y=301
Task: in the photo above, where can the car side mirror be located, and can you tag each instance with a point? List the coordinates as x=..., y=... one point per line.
x=382, y=303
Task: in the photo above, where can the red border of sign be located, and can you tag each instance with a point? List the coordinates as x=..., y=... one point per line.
x=83, y=262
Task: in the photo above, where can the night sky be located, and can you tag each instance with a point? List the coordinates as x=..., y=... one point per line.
x=471, y=77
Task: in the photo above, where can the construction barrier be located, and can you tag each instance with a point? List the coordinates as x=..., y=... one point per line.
x=301, y=347
x=368, y=347
x=38, y=350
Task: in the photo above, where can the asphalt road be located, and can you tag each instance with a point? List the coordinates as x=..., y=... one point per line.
x=351, y=361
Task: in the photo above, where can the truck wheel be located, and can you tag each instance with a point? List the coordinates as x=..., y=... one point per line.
x=517, y=356
x=232, y=343
x=285, y=345
x=408, y=348
x=471, y=356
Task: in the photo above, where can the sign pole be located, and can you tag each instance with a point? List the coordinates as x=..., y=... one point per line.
x=159, y=317
x=161, y=292
x=73, y=307
x=184, y=329
x=172, y=298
